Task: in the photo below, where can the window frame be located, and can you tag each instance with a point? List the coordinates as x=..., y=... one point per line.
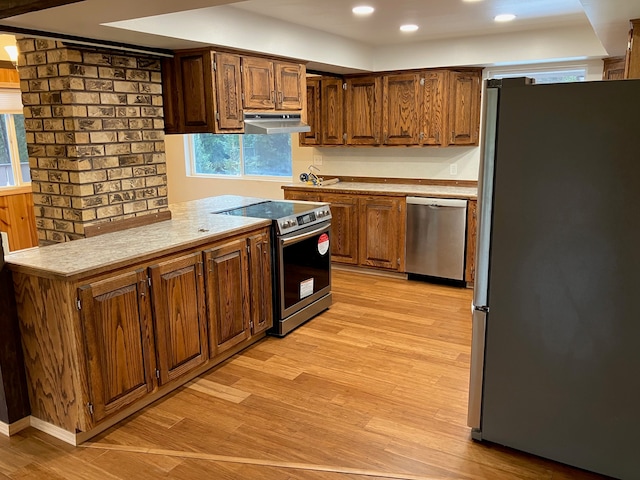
x=9, y=108
x=532, y=69
x=191, y=165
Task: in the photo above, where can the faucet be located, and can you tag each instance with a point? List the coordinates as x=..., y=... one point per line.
x=311, y=177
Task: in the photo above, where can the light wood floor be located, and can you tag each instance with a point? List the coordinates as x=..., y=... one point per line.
x=374, y=388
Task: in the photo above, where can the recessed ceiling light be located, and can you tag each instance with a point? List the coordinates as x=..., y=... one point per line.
x=362, y=10
x=409, y=28
x=505, y=17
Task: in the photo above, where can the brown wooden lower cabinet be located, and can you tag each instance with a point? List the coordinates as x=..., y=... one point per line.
x=260, y=283
x=369, y=230
x=115, y=315
x=381, y=242
x=100, y=345
x=227, y=295
x=179, y=313
x=366, y=230
x=344, y=228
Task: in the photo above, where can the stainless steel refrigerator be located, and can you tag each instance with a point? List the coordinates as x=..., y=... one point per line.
x=555, y=364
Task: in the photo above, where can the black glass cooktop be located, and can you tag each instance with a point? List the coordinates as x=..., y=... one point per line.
x=271, y=210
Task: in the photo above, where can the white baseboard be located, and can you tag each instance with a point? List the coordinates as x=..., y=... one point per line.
x=13, y=428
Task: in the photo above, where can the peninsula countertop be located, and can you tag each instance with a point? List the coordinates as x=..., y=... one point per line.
x=393, y=189
x=193, y=223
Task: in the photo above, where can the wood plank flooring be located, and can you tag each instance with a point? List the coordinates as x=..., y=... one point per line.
x=374, y=388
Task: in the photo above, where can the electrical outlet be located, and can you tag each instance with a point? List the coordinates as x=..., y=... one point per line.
x=317, y=159
x=453, y=169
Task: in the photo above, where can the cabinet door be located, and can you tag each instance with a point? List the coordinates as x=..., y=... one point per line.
x=363, y=110
x=464, y=108
x=312, y=137
x=229, y=116
x=613, y=68
x=258, y=83
x=227, y=292
x=433, y=109
x=332, y=111
x=118, y=338
x=344, y=228
x=305, y=196
x=170, y=96
x=379, y=232
x=472, y=230
x=179, y=315
x=261, y=283
x=290, y=84
x=402, y=107
x=195, y=91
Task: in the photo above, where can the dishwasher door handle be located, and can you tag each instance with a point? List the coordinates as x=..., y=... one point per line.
x=437, y=202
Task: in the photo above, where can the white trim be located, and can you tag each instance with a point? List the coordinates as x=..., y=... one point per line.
x=11, y=100
x=54, y=431
x=11, y=429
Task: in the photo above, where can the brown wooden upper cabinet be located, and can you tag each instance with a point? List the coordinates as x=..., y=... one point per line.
x=434, y=108
x=613, y=68
x=205, y=91
x=364, y=110
x=403, y=94
x=272, y=85
x=632, y=67
x=202, y=92
x=437, y=107
x=332, y=111
x=464, y=108
x=312, y=137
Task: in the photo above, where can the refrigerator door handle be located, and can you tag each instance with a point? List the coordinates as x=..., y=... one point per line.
x=485, y=196
x=479, y=327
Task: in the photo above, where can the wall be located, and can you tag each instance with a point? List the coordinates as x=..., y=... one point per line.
x=394, y=162
x=94, y=130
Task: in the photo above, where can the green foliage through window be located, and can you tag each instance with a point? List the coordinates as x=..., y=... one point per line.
x=242, y=155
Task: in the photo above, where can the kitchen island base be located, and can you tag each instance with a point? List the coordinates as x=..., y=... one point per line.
x=78, y=438
x=110, y=324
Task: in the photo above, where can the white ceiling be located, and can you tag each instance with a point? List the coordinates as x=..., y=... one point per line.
x=436, y=18
x=328, y=34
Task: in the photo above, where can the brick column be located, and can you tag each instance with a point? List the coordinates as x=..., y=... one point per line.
x=94, y=126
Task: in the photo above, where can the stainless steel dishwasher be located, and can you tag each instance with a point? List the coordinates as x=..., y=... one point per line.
x=436, y=237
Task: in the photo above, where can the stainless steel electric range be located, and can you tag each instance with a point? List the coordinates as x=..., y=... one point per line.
x=301, y=259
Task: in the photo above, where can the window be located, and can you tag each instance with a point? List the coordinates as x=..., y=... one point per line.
x=544, y=74
x=263, y=156
x=14, y=159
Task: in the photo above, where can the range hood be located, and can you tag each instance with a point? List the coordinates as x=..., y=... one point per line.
x=269, y=123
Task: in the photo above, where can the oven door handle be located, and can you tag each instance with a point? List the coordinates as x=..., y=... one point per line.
x=297, y=238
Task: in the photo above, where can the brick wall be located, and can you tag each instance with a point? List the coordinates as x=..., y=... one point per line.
x=94, y=127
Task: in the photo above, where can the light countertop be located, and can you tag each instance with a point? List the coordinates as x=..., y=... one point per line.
x=192, y=223
x=398, y=189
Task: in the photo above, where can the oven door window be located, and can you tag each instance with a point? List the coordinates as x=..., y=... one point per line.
x=306, y=270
